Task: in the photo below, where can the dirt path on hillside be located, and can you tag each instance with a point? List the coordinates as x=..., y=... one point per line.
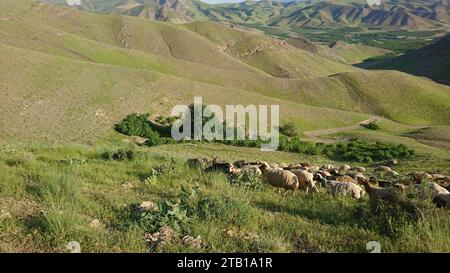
x=316, y=135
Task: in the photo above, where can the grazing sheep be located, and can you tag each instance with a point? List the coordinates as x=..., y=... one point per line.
x=374, y=192
x=282, y=165
x=240, y=163
x=234, y=171
x=197, y=162
x=274, y=165
x=356, y=175
x=328, y=167
x=358, y=169
x=437, y=177
x=251, y=169
x=392, y=162
x=382, y=169
x=341, y=188
x=294, y=166
x=306, y=164
x=305, y=180
x=344, y=178
x=381, y=183
x=313, y=169
x=433, y=187
x=418, y=177
x=442, y=200
x=344, y=168
x=324, y=173
x=281, y=179
x=222, y=167
x=391, y=173
x=401, y=187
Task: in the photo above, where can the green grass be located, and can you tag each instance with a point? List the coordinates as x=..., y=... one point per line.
x=53, y=200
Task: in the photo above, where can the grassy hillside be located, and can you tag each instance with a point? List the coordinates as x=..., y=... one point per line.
x=68, y=76
x=432, y=61
x=146, y=66
x=52, y=195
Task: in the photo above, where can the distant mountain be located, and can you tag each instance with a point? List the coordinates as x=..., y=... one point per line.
x=432, y=61
x=412, y=14
x=408, y=14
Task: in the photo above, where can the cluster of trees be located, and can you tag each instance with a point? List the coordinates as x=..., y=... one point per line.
x=158, y=133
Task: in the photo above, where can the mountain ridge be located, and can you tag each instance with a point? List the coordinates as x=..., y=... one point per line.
x=393, y=14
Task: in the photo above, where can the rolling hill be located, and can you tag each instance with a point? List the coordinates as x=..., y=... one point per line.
x=406, y=14
x=432, y=61
x=69, y=69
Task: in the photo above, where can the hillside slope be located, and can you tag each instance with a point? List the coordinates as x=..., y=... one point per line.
x=70, y=75
x=432, y=61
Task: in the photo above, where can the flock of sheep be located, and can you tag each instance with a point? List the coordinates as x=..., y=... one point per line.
x=343, y=180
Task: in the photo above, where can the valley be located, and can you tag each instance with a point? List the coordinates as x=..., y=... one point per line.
x=355, y=85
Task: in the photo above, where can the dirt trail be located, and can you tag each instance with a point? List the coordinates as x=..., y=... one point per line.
x=315, y=135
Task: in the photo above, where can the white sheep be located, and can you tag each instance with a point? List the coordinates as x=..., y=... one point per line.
x=328, y=167
x=358, y=169
x=383, y=169
x=251, y=169
x=344, y=168
x=433, y=187
x=391, y=173
x=305, y=180
x=342, y=188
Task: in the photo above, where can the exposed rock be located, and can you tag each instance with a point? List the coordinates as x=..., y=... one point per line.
x=96, y=224
x=161, y=238
x=147, y=206
x=250, y=236
x=192, y=242
x=127, y=185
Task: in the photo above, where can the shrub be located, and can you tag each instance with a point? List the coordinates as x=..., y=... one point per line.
x=372, y=126
x=226, y=209
x=137, y=125
x=119, y=155
x=246, y=179
x=168, y=213
x=289, y=129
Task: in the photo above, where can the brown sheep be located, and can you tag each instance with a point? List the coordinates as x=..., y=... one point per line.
x=418, y=177
x=344, y=178
x=377, y=193
x=281, y=179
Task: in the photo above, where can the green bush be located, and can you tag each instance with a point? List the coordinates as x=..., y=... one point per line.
x=137, y=125
x=168, y=213
x=289, y=129
x=399, y=217
x=372, y=126
x=363, y=151
x=119, y=155
x=355, y=150
x=227, y=210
